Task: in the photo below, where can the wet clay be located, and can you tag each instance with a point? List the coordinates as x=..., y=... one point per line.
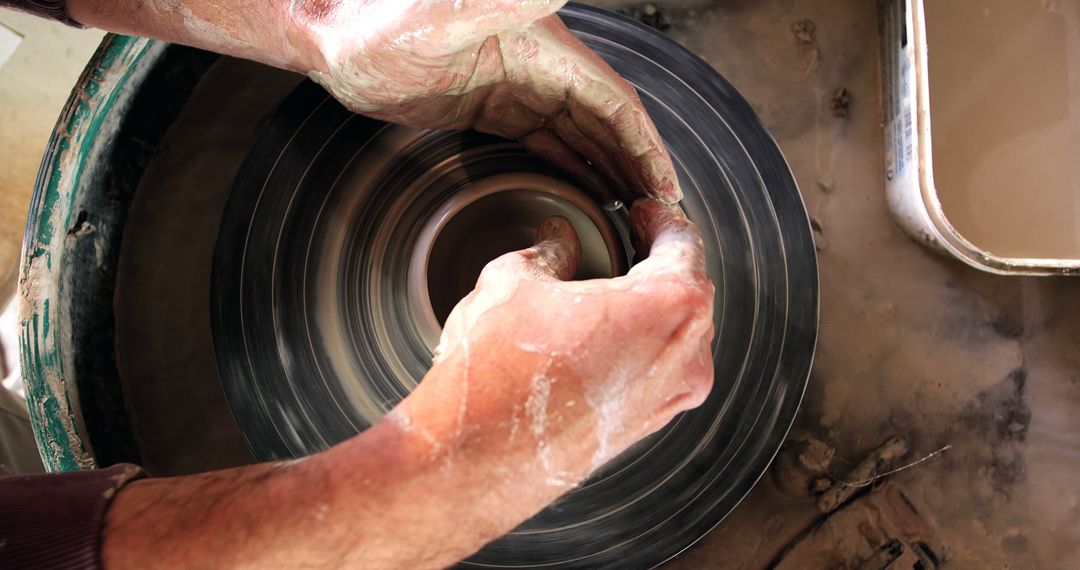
x=1005, y=123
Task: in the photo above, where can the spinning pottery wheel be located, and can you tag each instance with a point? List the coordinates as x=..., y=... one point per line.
x=343, y=243
x=346, y=241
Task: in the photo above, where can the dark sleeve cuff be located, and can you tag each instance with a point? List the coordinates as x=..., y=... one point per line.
x=52, y=9
x=56, y=520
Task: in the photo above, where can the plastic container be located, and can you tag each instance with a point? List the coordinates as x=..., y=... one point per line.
x=980, y=137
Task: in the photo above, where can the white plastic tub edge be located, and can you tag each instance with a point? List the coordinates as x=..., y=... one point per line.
x=909, y=165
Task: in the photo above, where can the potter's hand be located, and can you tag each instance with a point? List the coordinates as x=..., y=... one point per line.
x=537, y=382
x=559, y=367
x=508, y=67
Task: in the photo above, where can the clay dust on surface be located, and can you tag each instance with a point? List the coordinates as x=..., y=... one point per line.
x=911, y=343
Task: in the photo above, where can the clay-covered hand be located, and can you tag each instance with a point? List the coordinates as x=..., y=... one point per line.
x=551, y=377
x=507, y=67
x=537, y=382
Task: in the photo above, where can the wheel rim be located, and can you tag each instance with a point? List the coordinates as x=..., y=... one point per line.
x=321, y=229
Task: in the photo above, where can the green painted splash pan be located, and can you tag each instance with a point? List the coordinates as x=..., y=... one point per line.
x=116, y=116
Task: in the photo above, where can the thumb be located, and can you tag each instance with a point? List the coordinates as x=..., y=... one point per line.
x=557, y=252
x=672, y=240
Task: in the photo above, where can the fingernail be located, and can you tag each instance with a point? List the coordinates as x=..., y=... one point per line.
x=669, y=192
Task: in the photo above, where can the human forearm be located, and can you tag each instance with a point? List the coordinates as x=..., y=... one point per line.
x=424, y=488
x=462, y=468
x=505, y=67
x=536, y=383
x=262, y=30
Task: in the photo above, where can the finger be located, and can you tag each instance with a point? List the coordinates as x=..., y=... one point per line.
x=544, y=144
x=632, y=138
x=555, y=256
x=673, y=241
x=557, y=252
x=647, y=156
x=501, y=113
x=606, y=108
x=511, y=112
x=567, y=131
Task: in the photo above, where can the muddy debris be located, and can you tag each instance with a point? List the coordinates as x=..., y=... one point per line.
x=651, y=15
x=802, y=466
x=886, y=529
x=811, y=61
x=819, y=234
x=805, y=34
x=870, y=467
x=841, y=103
x=82, y=225
x=804, y=31
x=1008, y=325
x=1014, y=416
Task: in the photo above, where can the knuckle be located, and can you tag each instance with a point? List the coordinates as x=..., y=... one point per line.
x=702, y=298
x=505, y=265
x=691, y=392
x=700, y=282
x=700, y=380
x=700, y=387
x=693, y=295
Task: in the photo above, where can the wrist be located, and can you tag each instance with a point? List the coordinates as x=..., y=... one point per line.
x=392, y=477
x=319, y=25
x=452, y=462
x=516, y=422
x=308, y=35
x=266, y=32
